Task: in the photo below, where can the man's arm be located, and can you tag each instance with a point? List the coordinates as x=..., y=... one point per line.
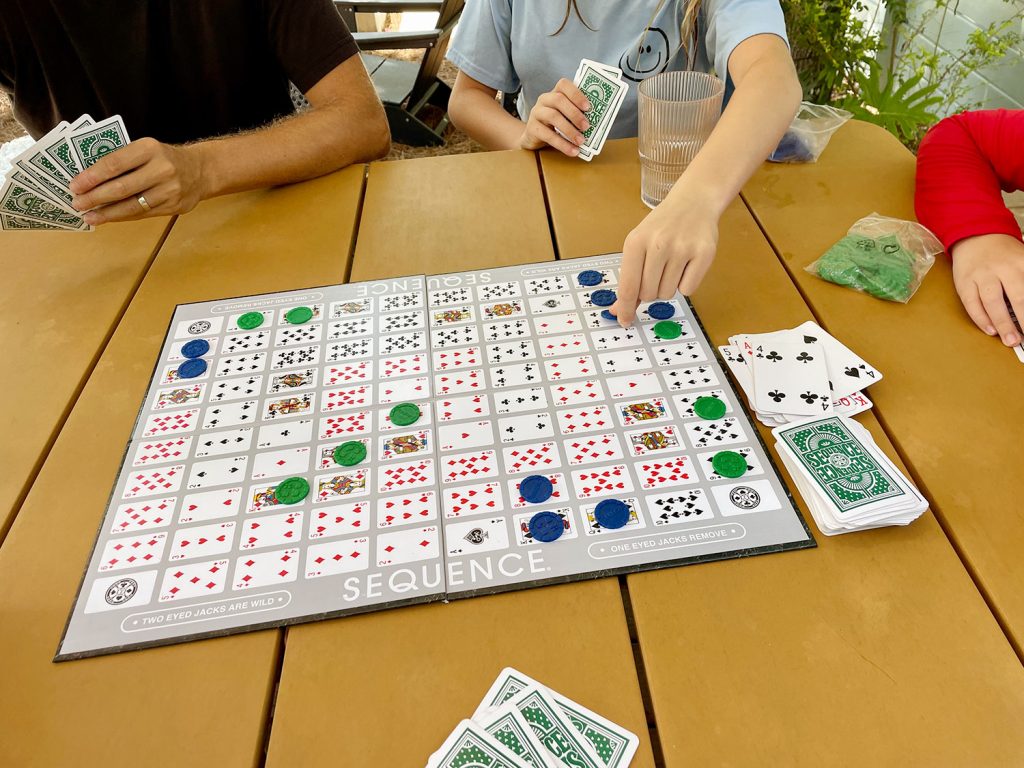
x=345, y=125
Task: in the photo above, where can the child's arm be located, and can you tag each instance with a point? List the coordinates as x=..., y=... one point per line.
x=961, y=165
x=673, y=247
x=475, y=111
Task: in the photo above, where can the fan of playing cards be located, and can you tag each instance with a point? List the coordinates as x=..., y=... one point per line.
x=604, y=88
x=522, y=724
x=848, y=483
x=793, y=374
x=36, y=193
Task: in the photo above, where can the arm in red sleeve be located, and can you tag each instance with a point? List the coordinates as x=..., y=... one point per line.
x=962, y=164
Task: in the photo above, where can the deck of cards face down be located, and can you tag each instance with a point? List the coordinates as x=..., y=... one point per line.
x=605, y=89
x=36, y=195
x=510, y=373
x=523, y=724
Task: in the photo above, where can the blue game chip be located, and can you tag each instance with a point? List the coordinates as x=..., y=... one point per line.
x=536, y=489
x=589, y=278
x=661, y=310
x=602, y=298
x=546, y=526
x=611, y=513
x=195, y=348
x=607, y=315
x=192, y=368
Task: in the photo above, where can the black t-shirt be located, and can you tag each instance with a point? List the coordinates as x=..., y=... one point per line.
x=176, y=70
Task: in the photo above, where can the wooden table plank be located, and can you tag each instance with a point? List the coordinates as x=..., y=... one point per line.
x=438, y=214
x=386, y=688
x=62, y=295
x=948, y=397
x=858, y=648
x=204, y=702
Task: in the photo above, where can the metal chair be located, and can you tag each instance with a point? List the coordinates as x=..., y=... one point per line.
x=407, y=88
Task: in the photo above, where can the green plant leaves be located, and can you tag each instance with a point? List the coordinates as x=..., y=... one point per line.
x=902, y=107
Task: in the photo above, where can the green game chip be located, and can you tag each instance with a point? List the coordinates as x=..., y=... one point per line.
x=250, y=320
x=299, y=315
x=668, y=329
x=404, y=414
x=350, y=453
x=729, y=464
x=709, y=408
x=292, y=491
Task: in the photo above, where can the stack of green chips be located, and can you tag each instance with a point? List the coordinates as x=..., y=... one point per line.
x=877, y=266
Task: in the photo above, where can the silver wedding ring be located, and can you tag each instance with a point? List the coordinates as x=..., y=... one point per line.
x=143, y=203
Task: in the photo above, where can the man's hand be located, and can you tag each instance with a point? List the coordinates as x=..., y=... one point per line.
x=670, y=250
x=168, y=177
x=988, y=271
x=563, y=109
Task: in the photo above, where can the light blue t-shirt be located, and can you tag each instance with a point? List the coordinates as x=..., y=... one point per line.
x=508, y=44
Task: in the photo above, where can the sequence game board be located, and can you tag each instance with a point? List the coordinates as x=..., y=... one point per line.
x=270, y=478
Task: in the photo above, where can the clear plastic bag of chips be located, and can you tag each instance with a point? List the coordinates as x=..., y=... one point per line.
x=887, y=258
x=809, y=133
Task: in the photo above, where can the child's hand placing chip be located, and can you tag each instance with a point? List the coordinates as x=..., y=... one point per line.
x=670, y=250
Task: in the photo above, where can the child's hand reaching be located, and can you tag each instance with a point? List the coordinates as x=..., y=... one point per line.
x=560, y=109
x=670, y=250
x=988, y=271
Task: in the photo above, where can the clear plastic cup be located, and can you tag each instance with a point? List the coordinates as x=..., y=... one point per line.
x=677, y=112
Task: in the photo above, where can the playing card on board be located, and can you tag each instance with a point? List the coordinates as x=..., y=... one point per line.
x=625, y=360
x=143, y=514
x=240, y=343
x=349, y=328
x=342, y=398
x=591, y=526
x=171, y=423
x=271, y=530
x=306, y=378
x=202, y=541
x=210, y=505
x=471, y=537
x=286, y=407
x=340, y=485
x=466, y=435
x=521, y=525
x=233, y=414
x=548, y=325
x=657, y=440
x=577, y=393
x=445, y=359
x=685, y=403
x=564, y=368
x=149, y=482
x=408, y=545
x=644, y=411
x=132, y=551
x=260, y=569
x=189, y=580
x=666, y=472
x=463, y=407
x=519, y=400
x=402, y=365
x=497, y=291
x=510, y=352
x=545, y=305
x=528, y=426
x=235, y=389
x=160, y=451
x=474, y=465
x=204, y=474
x=522, y=458
x=602, y=481
x=679, y=354
x=592, y=449
x=299, y=334
x=478, y=498
x=589, y=419
x=724, y=431
x=332, y=558
x=394, y=511
x=397, y=445
x=418, y=473
x=617, y=338
x=634, y=385
x=339, y=519
x=458, y=382
x=403, y=390
x=685, y=379
x=174, y=397
x=449, y=296
x=515, y=375
x=281, y=463
x=681, y=506
x=566, y=344
x=286, y=433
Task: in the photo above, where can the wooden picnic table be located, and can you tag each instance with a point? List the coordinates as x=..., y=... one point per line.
x=875, y=648
x=61, y=297
x=950, y=399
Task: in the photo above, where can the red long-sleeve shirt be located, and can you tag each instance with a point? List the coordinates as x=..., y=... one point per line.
x=962, y=164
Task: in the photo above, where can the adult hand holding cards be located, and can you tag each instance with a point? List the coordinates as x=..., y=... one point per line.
x=36, y=193
x=605, y=90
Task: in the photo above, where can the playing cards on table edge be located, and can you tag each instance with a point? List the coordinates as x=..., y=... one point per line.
x=521, y=723
x=605, y=89
x=36, y=193
x=792, y=374
x=846, y=480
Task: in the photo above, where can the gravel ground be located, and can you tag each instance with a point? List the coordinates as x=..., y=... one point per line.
x=456, y=142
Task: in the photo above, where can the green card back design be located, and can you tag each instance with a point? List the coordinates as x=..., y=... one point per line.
x=95, y=145
x=849, y=476
x=600, y=93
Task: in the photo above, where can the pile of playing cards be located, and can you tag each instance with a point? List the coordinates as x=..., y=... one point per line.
x=790, y=375
x=522, y=724
x=847, y=482
x=605, y=89
x=36, y=193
